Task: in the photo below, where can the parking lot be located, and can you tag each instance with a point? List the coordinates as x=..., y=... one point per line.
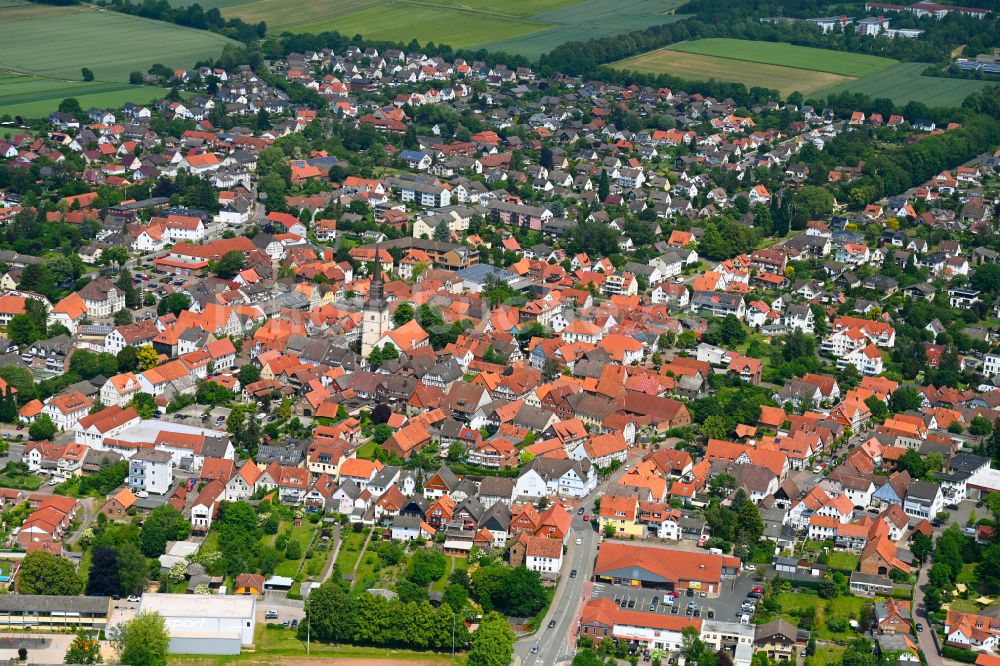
x=725, y=607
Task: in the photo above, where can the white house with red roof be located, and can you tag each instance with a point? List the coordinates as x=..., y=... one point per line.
x=120, y=389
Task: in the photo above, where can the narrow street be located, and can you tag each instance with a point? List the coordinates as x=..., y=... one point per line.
x=924, y=638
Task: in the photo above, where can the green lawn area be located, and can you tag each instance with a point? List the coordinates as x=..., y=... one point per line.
x=350, y=550
x=965, y=606
x=278, y=647
x=843, y=561
x=21, y=481
x=441, y=583
x=788, y=55
x=968, y=575
x=828, y=655
x=85, y=563
x=303, y=534
x=844, y=607
x=367, y=450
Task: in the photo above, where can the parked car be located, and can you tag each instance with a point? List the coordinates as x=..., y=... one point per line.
x=920, y=627
x=750, y=567
x=271, y=615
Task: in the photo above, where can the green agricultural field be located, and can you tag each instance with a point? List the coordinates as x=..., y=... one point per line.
x=527, y=27
x=34, y=80
x=788, y=55
x=402, y=22
x=696, y=67
x=36, y=97
x=589, y=19
x=106, y=42
x=905, y=83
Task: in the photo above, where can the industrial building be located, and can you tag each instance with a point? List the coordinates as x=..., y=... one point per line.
x=205, y=624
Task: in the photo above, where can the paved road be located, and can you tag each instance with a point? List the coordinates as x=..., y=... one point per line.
x=924, y=638
x=90, y=511
x=558, y=644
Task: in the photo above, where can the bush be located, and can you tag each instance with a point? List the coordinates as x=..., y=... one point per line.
x=958, y=654
x=837, y=625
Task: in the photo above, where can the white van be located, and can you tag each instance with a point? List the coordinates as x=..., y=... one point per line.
x=715, y=551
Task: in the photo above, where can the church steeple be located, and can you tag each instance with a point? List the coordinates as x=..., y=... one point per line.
x=376, y=292
x=376, y=322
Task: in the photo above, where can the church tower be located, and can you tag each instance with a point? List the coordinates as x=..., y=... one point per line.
x=376, y=321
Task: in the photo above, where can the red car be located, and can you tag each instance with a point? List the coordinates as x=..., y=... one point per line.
x=20, y=426
x=586, y=517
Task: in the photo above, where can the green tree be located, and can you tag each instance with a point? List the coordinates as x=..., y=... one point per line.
x=492, y=642
x=877, y=407
x=43, y=428
x=123, y=317
x=142, y=641
x=522, y=594
x=128, y=359
x=381, y=432
x=921, y=546
x=603, y=185
x=133, y=569
x=749, y=525
x=980, y=426
x=442, y=232
x=125, y=283
x=426, y=566
x=988, y=570
x=912, y=462
x=229, y=264
x=103, y=579
x=716, y=427
x=248, y=374
x=144, y=404
x=86, y=74
x=85, y=649
x=173, y=304
x=587, y=657
x=330, y=613
x=21, y=330
x=404, y=313
x=44, y=573
x=906, y=399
